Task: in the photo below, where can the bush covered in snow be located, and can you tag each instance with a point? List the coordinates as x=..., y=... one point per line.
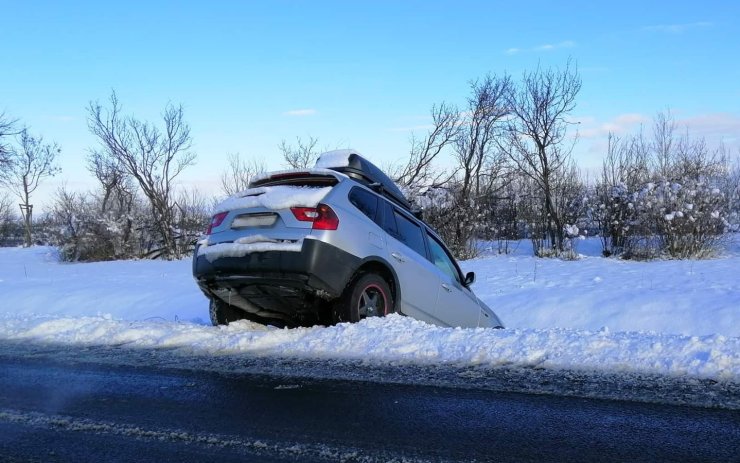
x=668, y=196
x=11, y=229
x=96, y=227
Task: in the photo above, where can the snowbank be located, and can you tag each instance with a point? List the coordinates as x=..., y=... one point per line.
x=687, y=297
x=398, y=339
x=666, y=317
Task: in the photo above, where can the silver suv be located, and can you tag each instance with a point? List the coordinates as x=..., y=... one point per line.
x=335, y=243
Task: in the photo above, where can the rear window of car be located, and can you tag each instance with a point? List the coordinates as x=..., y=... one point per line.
x=365, y=201
x=297, y=179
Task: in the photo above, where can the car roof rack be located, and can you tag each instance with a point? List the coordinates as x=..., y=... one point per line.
x=352, y=164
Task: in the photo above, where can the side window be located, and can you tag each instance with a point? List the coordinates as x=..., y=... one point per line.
x=365, y=201
x=389, y=221
x=410, y=233
x=442, y=260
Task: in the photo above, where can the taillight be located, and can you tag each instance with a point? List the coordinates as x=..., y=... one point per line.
x=305, y=214
x=216, y=220
x=327, y=219
x=322, y=216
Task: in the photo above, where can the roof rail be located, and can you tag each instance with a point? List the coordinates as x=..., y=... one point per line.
x=352, y=164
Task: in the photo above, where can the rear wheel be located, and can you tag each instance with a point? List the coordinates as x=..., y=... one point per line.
x=222, y=313
x=367, y=296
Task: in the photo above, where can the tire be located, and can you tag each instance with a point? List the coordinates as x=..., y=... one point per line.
x=369, y=295
x=222, y=313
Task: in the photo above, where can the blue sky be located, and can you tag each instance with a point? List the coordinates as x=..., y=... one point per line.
x=356, y=73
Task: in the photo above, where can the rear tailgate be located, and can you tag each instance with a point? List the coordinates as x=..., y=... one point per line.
x=274, y=214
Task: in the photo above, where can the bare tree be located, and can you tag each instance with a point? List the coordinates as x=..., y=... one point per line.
x=6, y=128
x=154, y=157
x=29, y=163
x=537, y=135
x=301, y=156
x=479, y=161
x=118, y=201
x=459, y=211
x=476, y=148
x=111, y=174
x=419, y=171
x=239, y=173
x=663, y=145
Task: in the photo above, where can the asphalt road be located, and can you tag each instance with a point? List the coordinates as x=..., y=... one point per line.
x=77, y=412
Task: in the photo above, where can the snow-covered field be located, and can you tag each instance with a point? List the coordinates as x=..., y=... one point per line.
x=679, y=318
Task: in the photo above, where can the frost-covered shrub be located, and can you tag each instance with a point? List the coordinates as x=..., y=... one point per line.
x=84, y=232
x=612, y=212
x=455, y=218
x=11, y=229
x=550, y=235
x=732, y=191
x=665, y=198
x=461, y=222
x=86, y=228
x=682, y=220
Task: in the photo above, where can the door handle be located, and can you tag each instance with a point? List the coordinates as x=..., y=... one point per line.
x=398, y=257
x=447, y=288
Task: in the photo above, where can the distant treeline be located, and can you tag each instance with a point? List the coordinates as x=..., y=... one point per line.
x=660, y=192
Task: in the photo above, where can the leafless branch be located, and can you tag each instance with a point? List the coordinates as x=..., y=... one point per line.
x=154, y=157
x=239, y=173
x=30, y=162
x=301, y=156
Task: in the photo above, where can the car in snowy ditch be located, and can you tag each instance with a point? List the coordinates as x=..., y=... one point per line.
x=335, y=243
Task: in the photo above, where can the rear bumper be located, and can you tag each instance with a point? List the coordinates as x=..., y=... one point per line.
x=277, y=283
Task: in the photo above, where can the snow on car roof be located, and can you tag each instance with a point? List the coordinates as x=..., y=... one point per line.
x=336, y=158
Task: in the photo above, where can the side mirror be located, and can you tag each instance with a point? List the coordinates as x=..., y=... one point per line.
x=469, y=279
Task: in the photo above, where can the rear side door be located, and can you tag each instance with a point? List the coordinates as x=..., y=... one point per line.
x=456, y=304
x=408, y=255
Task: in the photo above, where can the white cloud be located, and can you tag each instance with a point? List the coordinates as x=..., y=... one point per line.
x=715, y=127
x=300, y=112
x=712, y=126
x=544, y=47
x=677, y=28
x=555, y=46
x=619, y=125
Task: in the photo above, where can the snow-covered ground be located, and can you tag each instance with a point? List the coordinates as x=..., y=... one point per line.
x=678, y=318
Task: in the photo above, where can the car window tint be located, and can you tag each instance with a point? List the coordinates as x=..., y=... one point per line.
x=389, y=221
x=365, y=201
x=298, y=179
x=410, y=233
x=442, y=260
